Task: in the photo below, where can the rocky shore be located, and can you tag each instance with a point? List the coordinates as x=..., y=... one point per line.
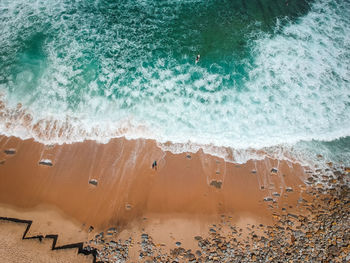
x=315, y=229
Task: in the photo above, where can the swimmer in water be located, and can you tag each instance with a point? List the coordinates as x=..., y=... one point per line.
x=197, y=58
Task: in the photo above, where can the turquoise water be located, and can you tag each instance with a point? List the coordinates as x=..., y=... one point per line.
x=272, y=75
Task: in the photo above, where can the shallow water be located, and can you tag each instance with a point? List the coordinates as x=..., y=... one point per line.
x=272, y=76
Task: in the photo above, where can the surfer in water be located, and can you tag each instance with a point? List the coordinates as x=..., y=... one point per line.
x=197, y=58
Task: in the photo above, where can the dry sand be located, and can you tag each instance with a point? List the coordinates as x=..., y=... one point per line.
x=181, y=198
x=14, y=249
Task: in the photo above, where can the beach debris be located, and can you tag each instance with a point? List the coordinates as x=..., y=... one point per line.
x=216, y=184
x=46, y=162
x=93, y=182
x=274, y=170
x=10, y=151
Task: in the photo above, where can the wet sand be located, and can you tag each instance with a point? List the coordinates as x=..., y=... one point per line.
x=185, y=194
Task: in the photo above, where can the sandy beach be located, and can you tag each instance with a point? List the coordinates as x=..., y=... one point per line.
x=98, y=186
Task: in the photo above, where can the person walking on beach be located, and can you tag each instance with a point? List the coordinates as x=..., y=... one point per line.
x=154, y=165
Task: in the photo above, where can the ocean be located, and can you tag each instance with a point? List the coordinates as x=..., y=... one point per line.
x=273, y=78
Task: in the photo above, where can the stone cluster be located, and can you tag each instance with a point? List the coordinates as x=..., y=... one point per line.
x=319, y=232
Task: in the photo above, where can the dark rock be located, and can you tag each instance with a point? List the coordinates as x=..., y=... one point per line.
x=178, y=243
x=144, y=236
x=268, y=199
x=10, y=151
x=216, y=184
x=93, y=182
x=274, y=170
x=292, y=215
x=46, y=162
x=128, y=207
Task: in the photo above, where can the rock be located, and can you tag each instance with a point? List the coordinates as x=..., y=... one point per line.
x=46, y=162
x=90, y=229
x=289, y=189
x=310, y=180
x=112, y=229
x=268, y=199
x=333, y=250
x=275, y=194
x=128, y=207
x=10, y=151
x=191, y=257
x=253, y=171
x=274, y=170
x=292, y=215
x=93, y=182
x=144, y=236
x=188, y=156
x=198, y=238
x=2, y=162
x=178, y=243
x=113, y=243
x=216, y=184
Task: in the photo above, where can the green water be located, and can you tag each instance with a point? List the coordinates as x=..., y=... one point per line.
x=271, y=74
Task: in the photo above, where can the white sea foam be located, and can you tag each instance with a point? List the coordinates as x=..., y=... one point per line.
x=297, y=88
